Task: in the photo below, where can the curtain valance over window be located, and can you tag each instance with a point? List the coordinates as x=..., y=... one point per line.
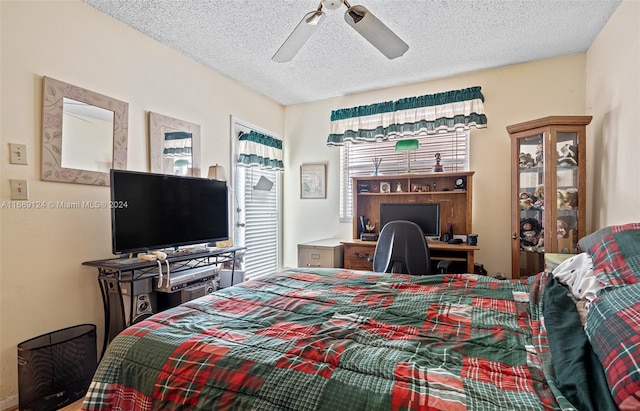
x=261, y=150
x=428, y=114
x=177, y=144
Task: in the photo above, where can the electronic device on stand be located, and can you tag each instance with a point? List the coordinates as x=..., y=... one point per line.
x=161, y=226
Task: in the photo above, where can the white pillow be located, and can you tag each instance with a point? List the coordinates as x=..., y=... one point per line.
x=577, y=274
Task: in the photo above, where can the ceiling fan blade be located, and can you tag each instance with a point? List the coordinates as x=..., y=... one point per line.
x=375, y=32
x=299, y=36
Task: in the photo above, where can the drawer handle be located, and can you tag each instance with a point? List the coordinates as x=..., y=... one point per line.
x=357, y=254
x=313, y=265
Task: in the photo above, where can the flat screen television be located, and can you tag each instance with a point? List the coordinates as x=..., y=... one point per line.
x=153, y=211
x=426, y=215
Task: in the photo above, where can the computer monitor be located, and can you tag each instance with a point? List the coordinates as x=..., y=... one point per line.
x=426, y=215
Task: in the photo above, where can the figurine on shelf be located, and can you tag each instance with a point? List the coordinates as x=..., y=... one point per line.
x=562, y=229
x=438, y=168
x=539, y=156
x=560, y=199
x=567, y=155
x=568, y=199
x=539, y=195
x=398, y=188
x=526, y=200
x=531, y=233
x=571, y=199
x=525, y=160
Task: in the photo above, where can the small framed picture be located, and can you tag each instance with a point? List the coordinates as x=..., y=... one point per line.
x=313, y=181
x=385, y=187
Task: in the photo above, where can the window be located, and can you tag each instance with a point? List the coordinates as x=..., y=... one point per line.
x=255, y=210
x=357, y=160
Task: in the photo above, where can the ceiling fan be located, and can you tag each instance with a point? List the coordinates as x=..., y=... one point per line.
x=358, y=17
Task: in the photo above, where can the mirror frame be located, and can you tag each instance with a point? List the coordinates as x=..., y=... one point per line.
x=156, y=141
x=53, y=94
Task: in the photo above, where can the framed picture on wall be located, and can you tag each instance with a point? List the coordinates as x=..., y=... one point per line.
x=313, y=181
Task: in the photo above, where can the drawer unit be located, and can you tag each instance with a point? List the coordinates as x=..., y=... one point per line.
x=327, y=253
x=356, y=256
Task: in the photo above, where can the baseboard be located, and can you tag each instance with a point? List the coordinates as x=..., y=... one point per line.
x=9, y=403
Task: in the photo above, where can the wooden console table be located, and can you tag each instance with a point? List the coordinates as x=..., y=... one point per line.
x=357, y=253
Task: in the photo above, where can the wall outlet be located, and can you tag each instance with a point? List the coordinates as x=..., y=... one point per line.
x=19, y=189
x=18, y=153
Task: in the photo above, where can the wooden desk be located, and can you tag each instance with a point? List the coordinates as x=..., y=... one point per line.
x=357, y=253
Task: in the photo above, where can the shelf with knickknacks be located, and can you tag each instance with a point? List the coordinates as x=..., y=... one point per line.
x=547, y=160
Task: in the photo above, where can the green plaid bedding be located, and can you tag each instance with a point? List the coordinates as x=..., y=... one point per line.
x=334, y=339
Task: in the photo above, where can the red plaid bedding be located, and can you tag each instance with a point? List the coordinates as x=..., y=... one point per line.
x=333, y=339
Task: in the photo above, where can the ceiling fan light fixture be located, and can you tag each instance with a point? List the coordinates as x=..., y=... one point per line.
x=303, y=31
x=332, y=4
x=375, y=32
x=315, y=18
x=355, y=16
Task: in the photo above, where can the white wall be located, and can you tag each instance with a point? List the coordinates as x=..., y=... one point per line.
x=613, y=98
x=512, y=94
x=43, y=285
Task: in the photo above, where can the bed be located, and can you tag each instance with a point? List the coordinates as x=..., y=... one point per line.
x=336, y=339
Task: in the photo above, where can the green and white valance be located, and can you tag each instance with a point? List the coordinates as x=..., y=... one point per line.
x=407, y=117
x=261, y=150
x=177, y=144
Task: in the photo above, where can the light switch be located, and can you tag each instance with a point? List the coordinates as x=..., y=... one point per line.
x=19, y=189
x=18, y=153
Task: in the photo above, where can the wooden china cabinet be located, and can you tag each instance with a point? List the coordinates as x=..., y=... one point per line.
x=548, y=186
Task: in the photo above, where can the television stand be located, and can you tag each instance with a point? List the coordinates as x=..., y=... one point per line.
x=129, y=285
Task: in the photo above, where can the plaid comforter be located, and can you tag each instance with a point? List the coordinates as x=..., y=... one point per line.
x=333, y=339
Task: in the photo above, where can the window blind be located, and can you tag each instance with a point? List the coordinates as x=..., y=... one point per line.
x=258, y=216
x=357, y=160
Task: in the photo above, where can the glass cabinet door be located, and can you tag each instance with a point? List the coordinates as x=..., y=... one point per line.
x=531, y=203
x=567, y=183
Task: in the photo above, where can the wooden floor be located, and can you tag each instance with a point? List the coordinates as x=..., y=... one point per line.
x=76, y=406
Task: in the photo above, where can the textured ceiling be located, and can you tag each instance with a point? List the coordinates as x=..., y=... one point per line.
x=445, y=37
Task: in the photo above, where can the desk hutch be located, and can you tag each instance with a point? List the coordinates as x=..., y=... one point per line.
x=455, y=209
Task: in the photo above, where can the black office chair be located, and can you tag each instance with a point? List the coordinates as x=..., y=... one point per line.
x=402, y=248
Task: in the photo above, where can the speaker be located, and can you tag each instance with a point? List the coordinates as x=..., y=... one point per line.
x=134, y=302
x=143, y=305
x=210, y=287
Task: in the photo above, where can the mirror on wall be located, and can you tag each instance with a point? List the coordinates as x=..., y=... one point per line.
x=174, y=146
x=84, y=134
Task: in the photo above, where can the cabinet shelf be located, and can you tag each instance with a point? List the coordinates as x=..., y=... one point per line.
x=416, y=188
